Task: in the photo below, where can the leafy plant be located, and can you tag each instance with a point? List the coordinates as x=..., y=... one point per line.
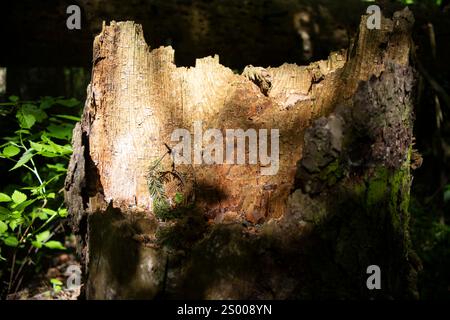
x=56, y=284
x=164, y=207
x=155, y=181
x=34, y=156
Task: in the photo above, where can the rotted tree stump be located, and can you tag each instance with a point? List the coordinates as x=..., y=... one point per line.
x=337, y=204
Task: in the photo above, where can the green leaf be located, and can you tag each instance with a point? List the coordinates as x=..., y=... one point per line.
x=36, y=244
x=39, y=114
x=4, y=197
x=4, y=213
x=37, y=146
x=53, y=244
x=20, y=207
x=11, y=241
x=28, y=114
x=26, y=156
x=48, y=154
x=72, y=102
x=14, y=98
x=40, y=214
x=68, y=117
x=18, y=197
x=63, y=131
x=62, y=212
x=10, y=151
x=43, y=236
x=3, y=227
x=37, y=190
x=22, y=131
x=59, y=167
x=51, y=149
x=56, y=282
x=54, y=147
x=25, y=120
x=49, y=211
x=46, y=103
x=51, y=195
x=14, y=223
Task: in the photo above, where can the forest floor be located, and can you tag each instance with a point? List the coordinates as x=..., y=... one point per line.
x=51, y=282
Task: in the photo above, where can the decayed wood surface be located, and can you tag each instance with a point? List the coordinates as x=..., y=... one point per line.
x=138, y=96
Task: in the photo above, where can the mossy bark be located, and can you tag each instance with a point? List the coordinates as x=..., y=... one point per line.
x=338, y=204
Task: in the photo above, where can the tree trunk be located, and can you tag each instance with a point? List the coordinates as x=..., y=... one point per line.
x=150, y=227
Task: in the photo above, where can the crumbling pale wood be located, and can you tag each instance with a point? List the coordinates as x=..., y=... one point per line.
x=138, y=97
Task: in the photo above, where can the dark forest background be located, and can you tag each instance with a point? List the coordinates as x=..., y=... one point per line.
x=40, y=57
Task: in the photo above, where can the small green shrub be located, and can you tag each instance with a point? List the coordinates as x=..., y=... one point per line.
x=35, y=151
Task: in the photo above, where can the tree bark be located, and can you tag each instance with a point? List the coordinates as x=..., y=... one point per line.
x=338, y=204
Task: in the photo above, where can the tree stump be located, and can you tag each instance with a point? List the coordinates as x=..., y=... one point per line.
x=149, y=227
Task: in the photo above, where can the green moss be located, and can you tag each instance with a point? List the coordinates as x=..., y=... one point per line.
x=400, y=195
x=331, y=173
x=386, y=192
x=394, y=208
x=359, y=190
x=377, y=187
